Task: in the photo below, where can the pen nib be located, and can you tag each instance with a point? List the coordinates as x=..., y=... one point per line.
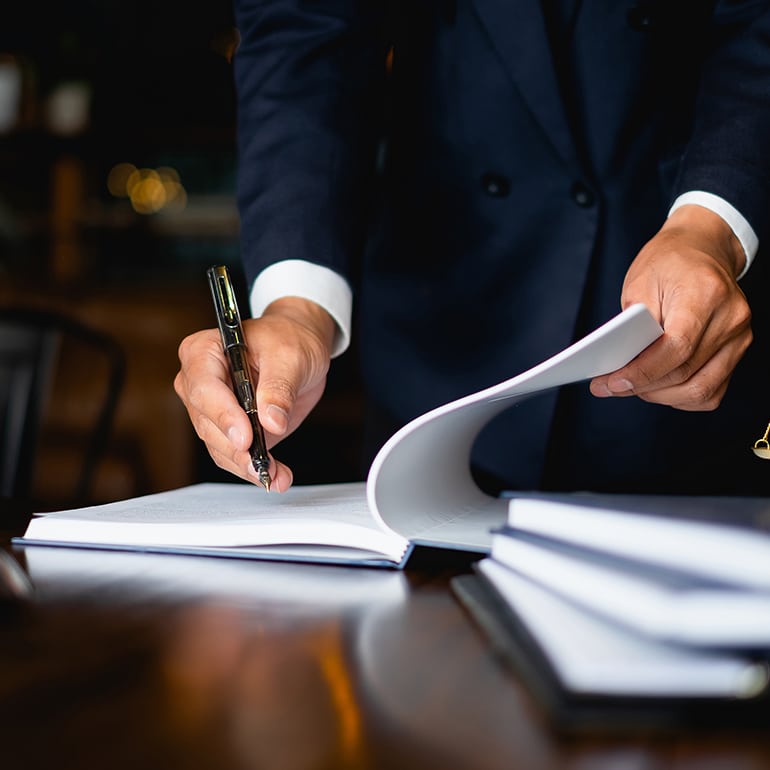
x=265, y=479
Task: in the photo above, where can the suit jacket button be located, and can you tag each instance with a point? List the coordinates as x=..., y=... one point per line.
x=495, y=185
x=582, y=195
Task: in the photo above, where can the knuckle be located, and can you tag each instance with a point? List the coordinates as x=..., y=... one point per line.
x=682, y=373
x=702, y=396
x=202, y=427
x=747, y=341
x=196, y=393
x=743, y=315
x=715, y=286
x=198, y=346
x=681, y=347
x=185, y=347
x=179, y=388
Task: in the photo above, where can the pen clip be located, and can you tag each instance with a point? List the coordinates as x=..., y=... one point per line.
x=228, y=316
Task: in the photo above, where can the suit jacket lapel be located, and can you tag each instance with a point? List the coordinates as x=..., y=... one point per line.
x=517, y=31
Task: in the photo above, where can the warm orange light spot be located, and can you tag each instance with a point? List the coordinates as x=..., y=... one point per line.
x=148, y=189
x=343, y=696
x=118, y=177
x=148, y=195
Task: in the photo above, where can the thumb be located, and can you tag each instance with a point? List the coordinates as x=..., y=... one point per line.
x=276, y=396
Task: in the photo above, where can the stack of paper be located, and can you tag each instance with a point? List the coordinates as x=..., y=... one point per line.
x=622, y=603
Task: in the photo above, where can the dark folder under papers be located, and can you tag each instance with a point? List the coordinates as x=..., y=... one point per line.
x=633, y=610
x=711, y=689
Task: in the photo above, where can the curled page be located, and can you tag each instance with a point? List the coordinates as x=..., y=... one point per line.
x=420, y=482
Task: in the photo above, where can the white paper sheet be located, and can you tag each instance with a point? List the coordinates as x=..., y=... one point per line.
x=597, y=658
x=420, y=481
x=666, y=606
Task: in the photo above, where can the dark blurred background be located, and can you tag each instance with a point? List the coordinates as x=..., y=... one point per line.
x=117, y=179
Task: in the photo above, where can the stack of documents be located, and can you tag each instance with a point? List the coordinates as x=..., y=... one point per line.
x=635, y=598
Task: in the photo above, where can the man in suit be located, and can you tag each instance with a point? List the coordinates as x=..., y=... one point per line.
x=521, y=170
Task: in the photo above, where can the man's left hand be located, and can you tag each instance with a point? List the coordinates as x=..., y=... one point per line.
x=686, y=276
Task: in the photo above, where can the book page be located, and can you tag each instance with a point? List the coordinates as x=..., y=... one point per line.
x=227, y=516
x=420, y=482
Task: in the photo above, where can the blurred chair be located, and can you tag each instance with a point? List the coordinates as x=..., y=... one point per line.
x=34, y=347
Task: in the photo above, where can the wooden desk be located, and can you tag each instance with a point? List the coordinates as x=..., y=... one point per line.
x=137, y=661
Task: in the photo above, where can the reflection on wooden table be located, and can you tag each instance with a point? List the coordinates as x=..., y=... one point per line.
x=144, y=661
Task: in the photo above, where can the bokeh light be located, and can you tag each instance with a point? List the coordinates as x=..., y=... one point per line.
x=118, y=177
x=149, y=190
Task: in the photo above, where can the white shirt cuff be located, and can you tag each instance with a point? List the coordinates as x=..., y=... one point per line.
x=298, y=278
x=736, y=221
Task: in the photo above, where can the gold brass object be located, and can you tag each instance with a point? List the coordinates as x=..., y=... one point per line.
x=762, y=446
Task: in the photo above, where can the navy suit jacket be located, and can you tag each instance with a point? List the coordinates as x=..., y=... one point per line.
x=486, y=194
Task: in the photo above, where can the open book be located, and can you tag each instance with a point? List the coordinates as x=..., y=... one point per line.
x=419, y=489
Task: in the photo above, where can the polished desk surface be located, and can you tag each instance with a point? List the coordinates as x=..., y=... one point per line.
x=119, y=660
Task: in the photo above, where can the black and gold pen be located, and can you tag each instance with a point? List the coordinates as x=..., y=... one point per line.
x=234, y=344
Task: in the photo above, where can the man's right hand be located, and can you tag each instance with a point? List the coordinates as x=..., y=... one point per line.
x=289, y=352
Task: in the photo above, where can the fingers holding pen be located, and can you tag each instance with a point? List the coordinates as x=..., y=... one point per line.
x=288, y=351
x=231, y=449
x=203, y=384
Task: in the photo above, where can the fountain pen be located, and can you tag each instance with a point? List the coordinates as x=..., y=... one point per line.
x=234, y=344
